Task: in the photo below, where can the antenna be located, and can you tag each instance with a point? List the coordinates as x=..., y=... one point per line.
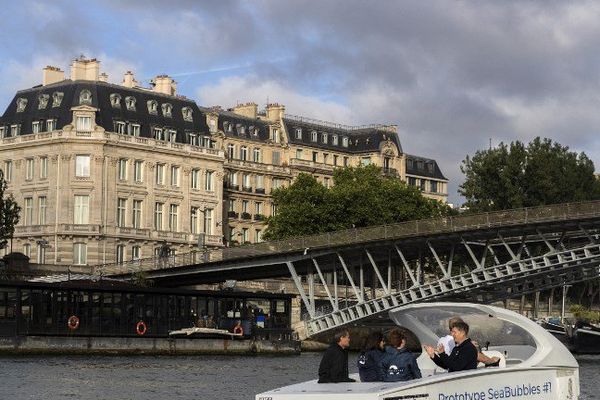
x=490, y=143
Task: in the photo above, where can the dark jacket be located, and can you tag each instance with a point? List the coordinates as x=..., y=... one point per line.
x=368, y=365
x=334, y=365
x=463, y=357
x=398, y=365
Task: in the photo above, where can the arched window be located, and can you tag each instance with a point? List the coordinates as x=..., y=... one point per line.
x=43, y=101
x=167, y=109
x=152, y=107
x=130, y=103
x=21, y=104
x=57, y=98
x=85, y=97
x=187, y=114
x=115, y=100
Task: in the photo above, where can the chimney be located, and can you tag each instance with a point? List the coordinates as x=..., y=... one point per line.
x=247, y=110
x=103, y=77
x=129, y=81
x=391, y=128
x=164, y=84
x=52, y=75
x=275, y=112
x=84, y=69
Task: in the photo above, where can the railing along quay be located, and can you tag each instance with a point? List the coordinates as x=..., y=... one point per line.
x=549, y=213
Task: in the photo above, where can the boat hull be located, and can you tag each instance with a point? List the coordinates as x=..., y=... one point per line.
x=586, y=341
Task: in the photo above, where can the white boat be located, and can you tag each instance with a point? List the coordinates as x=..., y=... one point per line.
x=204, y=332
x=534, y=364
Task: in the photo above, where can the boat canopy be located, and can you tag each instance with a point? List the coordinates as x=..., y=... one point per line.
x=502, y=329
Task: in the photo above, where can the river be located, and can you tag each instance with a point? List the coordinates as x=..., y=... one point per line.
x=178, y=378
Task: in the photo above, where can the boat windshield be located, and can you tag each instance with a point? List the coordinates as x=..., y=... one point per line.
x=431, y=322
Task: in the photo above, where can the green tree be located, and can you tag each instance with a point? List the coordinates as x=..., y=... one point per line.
x=9, y=213
x=359, y=197
x=519, y=175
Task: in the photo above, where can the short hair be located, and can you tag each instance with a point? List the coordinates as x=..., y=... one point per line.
x=395, y=337
x=339, y=334
x=452, y=321
x=372, y=341
x=462, y=326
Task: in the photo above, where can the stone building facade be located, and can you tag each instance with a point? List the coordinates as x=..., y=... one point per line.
x=106, y=173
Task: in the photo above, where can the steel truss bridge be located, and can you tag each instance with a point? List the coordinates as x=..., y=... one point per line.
x=365, y=272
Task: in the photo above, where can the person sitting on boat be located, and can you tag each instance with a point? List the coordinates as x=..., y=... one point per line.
x=464, y=354
x=334, y=364
x=448, y=343
x=371, y=355
x=398, y=364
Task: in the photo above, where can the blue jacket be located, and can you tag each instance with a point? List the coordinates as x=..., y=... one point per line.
x=398, y=365
x=368, y=365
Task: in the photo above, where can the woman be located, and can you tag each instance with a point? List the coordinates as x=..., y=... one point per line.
x=370, y=357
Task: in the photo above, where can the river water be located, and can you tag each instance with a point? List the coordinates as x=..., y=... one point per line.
x=178, y=378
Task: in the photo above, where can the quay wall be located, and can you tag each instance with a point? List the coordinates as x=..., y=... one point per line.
x=143, y=346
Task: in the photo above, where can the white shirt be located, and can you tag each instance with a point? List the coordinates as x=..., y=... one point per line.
x=448, y=342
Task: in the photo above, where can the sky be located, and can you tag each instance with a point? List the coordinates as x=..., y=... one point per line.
x=454, y=76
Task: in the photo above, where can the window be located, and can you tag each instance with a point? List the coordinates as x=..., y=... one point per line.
x=246, y=181
x=134, y=129
x=27, y=250
x=334, y=140
x=258, y=207
x=313, y=136
x=231, y=205
x=15, y=130
x=138, y=171
x=422, y=185
x=174, y=176
x=115, y=100
x=81, y=210
x=29, y=169
x=430, y=167
x=167, y=109
x=136, y=220
x=324, y=138
x=35, y=127
x=121, y=210
x=245, y=204
x=193, y=139
x=152, y=107
x=42, y=204
x=326, y=182
x=276, y=158
x=256, y=156
x=2, y=132
x=187, y=114
x=130, y=103
x=364, y=161
x=84, y=123
x=299, y=133
x=158, y=216
x=208, y=184
x=325, y=158
x=57, y=98
x=85, y=97
x=258, y=235
x=79, y=254
x=136, y=253
x=172, y=136
x=277, y=183
x=434, y=186
x=299, y=154
x=412, y=181
x=122, y=169
x=275, y=135
x=335, y=160
x=8, y=171
x=409, y=163
x=195, y=178
x=120, y=254
x=194, y=220
x=345, y=141
x=173, y=211
x=28, y=220
x=43, y=101
x=230, y=151
x=41, y=253
x=245, y=237
x=345, y=161
x=273, y=209
x=208, y=221
x=21, y=104
x=158, y=134
x=260, y=182
x=82, y=165
x=50, y=125
x=315, y=156
x=243, y=153
x=160, y=174
x=43, y=167
x=120, y=127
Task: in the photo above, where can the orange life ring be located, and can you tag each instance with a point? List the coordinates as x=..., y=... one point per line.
x=238, y=330
x=141, y=328
x=73, y=322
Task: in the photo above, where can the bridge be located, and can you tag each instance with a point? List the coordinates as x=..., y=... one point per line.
x=365, y=272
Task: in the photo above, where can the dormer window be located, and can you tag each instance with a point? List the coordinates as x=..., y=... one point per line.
x=130, y=103
x=115, y=100
x=15, y=130
x=324, y=138
x=255, y=132
x=43, y=101
x=419, y=164
x=242, y=130
x=409, y=163
x=172, y=135
x=167, y=109
x=193, y=139
x=152, y=107
x=229, y=127
x=275, y=135
x=299, y=133
x=313, y=136
x=187, y=114
x=345, y=141
x=57, y=98
x=35, y=127
x=430, y=167
x=334, y=140
x=120, y=127
x=21, y=104
x=85, y=97
x=158, y=134
x=2, y=132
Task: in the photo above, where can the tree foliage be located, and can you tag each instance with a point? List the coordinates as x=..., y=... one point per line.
x=9, y=213
x=519, y=175
x=359, y=197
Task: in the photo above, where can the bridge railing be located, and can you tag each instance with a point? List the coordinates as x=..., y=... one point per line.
x=546, y=213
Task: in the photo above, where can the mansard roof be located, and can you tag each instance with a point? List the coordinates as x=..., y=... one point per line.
x=421, y=166
x=101, y=98
x=238, y=126
x=360, y=140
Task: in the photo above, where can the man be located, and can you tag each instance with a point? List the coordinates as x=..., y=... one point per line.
x=464, y=354
x=398, y=364
x=334, y=365
x=448, y=343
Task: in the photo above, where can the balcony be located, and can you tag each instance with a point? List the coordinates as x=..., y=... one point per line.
x=244, y=164
x=247, y=189
x=31, y=229
x=259, y=217
x=232, y=187
x=392, y=172
x=246, y=215
x=137, y=232
x=259, y=190
x=310, y=165
x=209, y=240
x=79, y=228
x=232, y=214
